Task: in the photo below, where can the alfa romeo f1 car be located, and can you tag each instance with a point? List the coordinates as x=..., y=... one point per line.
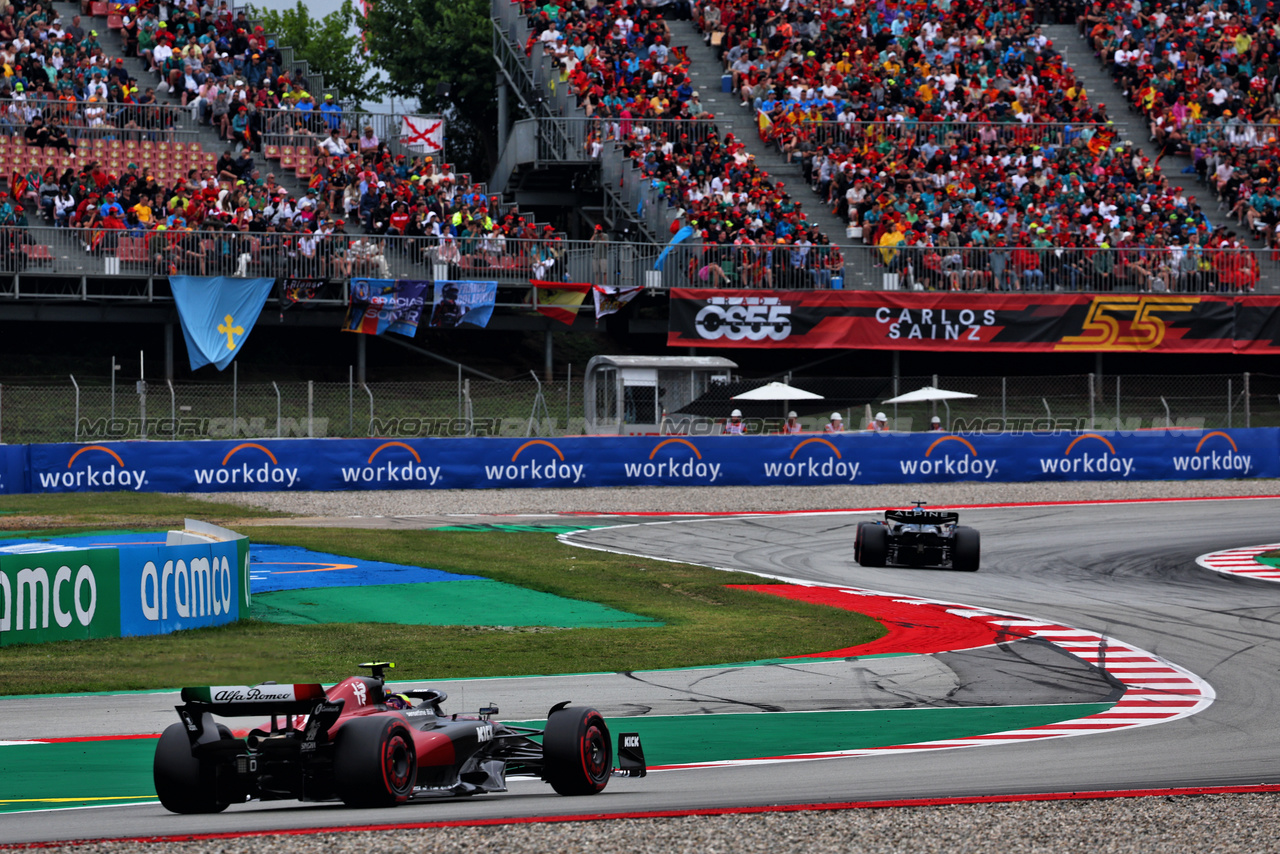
x=918, y=537
x=352, y=743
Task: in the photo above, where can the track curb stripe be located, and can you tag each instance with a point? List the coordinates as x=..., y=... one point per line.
x=1030, y=797
x=1241, y=562
x=1160, y=692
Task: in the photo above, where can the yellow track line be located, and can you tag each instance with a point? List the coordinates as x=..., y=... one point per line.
x=76, y=800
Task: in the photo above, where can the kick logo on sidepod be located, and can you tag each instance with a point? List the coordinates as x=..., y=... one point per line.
x=93, y=472
x=820, y=461
x=539, y=466
x=392, y=471
x=1215, y=460
x=674, y=463
x=249, y=470
x=1087, y=463
x=944, y=465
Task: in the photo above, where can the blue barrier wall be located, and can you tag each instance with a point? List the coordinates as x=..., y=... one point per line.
x=334, y=464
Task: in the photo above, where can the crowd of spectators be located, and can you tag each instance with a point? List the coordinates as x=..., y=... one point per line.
x=59, y=88
x=1204, y=77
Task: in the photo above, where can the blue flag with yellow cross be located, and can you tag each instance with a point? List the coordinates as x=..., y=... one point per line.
x=217, y=314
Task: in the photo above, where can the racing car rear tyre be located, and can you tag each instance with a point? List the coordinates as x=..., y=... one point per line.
x=184, y=783
x=576, y=750
x=875, y=545
x=966, y=549
x=857, y=541
x=374, y=762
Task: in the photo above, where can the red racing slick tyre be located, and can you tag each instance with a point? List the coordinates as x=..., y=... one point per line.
x=374, y=762
x=577, y=754
x=183, y=782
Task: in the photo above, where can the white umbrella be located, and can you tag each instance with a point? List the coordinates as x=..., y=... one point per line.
x=777, y=391
x=929, y=393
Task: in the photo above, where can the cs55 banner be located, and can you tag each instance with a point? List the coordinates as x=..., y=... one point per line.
x=874, y=320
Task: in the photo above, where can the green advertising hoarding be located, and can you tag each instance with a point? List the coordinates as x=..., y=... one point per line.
x=59, y=595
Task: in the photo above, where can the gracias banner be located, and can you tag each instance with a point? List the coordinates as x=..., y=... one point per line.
x=873, y=320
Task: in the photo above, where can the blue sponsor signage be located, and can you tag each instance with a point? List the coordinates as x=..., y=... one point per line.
x=853, y=458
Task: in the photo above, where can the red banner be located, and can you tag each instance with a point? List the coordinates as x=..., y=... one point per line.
x=876, y=320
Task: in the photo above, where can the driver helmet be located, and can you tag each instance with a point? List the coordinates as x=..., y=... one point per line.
x=397, y=701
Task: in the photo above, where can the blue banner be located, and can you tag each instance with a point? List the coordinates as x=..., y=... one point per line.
x=13, y=469
x=386, y=305
x=217, y=314
x=856, y=458
x=462, y=302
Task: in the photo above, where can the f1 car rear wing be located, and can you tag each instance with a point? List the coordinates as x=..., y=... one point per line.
x=265, y=699
x=924, y=517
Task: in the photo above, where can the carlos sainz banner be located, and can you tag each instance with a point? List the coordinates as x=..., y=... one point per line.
x=873, y=320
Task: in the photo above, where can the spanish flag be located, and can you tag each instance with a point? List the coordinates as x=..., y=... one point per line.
x=560, y=300
x=1101, y=141
x=765, y=124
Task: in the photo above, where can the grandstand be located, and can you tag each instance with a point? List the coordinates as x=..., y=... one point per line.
x=949, y=132
x=944, y=148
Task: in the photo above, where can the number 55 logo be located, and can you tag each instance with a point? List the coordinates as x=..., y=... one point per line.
x=1125, y=323
x=736, y=322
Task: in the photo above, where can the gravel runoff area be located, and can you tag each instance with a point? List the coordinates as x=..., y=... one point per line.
x=1224, y=824
x=718, y=499
x=1219, y=823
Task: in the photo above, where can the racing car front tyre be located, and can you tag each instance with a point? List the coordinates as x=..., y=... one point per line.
x=966, y=549
x=374, y=762
x=875, y=546
x=184, y=783
x=576, y=751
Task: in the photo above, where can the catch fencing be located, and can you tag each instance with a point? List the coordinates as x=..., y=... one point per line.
x=79, y=409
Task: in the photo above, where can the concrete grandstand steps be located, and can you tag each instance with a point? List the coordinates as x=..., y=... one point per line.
x=706, y=70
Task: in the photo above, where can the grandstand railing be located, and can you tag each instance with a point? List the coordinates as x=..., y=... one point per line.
x=1012, y=132
x=132, y=260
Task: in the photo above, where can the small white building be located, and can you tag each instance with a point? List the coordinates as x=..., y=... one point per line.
x=631, y=394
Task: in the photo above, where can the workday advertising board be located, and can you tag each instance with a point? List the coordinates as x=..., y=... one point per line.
x=456, y=463
x=121, y=591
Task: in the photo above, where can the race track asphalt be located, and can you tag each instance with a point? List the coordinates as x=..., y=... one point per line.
x=1127, y=571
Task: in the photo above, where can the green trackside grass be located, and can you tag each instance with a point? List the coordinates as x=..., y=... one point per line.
x=704, y=623
x=37, y=514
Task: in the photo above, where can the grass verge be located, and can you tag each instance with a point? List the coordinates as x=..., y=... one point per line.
x=37, y=514
x=704, y=623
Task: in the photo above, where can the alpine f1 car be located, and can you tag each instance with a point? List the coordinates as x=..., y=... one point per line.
x=362, y=744
x=918, y=537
